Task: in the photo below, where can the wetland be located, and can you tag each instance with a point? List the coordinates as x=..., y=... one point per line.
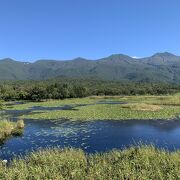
x=94, y=124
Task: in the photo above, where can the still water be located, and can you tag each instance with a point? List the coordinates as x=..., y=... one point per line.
x=92, y=136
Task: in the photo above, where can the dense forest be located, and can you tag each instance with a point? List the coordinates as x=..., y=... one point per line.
x=72, y=88
x=59, y=89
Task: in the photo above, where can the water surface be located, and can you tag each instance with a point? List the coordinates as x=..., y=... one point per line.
x=92, y=136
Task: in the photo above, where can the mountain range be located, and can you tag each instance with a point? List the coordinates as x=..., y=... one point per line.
x=161, y=67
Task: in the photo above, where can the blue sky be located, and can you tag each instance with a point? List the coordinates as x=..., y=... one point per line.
x=65, y=29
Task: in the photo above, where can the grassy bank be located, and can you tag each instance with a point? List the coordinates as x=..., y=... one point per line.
x=8, y=128
x=136, y=107
x=143, y=162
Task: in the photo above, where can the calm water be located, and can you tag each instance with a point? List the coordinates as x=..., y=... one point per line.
x=94, y=136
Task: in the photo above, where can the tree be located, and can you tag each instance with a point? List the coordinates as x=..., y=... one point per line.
x=1, y=105
x=37, y=93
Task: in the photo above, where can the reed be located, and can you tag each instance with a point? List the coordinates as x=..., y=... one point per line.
x=8, y=128
x=143, y=162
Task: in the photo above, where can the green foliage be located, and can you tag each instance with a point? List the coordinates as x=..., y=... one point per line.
x=72, y=88
x=1, y=105
x=143, y=162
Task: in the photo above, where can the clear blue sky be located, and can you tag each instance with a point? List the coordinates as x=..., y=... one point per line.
x=65, y=29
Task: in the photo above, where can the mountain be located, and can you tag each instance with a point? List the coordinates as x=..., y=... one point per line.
x=161, y=67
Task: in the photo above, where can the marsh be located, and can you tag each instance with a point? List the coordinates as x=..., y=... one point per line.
x=92, y=136
x=95, y=124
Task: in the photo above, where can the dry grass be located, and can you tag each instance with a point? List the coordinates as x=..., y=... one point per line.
x=142, y=107
x=8, y=128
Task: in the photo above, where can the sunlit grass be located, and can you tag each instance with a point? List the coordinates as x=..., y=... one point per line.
x=8, y=128
x=142, y=107
x=137, y=107
x=106, y=112
x=52, y=103
x=156, y=100
x=143, y=162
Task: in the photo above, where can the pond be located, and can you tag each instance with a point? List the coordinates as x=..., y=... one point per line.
x=92, y=136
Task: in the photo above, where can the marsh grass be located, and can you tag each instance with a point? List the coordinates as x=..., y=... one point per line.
x=108, y=112
x=137, y=107
x=156, y=100
x=142, y=162
x=142, y=107
x=8, y=128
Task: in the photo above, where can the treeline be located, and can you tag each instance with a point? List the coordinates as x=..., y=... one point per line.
x=40, y=91
x=70, y=88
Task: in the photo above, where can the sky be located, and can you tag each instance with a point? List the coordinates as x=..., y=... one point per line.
x=66, y=29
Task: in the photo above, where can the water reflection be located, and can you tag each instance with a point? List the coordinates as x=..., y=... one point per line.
x=92, y=136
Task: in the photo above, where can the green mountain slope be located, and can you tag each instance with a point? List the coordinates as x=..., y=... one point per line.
x=164, y=67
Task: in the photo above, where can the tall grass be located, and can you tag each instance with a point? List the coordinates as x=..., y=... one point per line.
x=8, y=128
x=144, y=162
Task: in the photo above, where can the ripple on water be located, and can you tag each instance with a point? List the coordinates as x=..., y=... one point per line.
x=92, y=136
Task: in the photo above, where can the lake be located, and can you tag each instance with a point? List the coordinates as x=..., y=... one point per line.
x=92, y=136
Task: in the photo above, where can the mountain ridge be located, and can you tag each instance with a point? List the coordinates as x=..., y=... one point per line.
x=160, y=67
x=120, y=55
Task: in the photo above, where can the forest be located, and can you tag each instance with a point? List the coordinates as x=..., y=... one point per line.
x=77, y=88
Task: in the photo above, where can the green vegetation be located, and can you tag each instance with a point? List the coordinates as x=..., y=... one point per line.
x=137, y=107
x=72, y=88
x=145, y=93
x=1, y=105
x=161, y=67
x=8, y=128
x=143, y=162
x=142, y=107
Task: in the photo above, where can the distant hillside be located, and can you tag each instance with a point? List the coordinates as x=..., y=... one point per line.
x=164, y=67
